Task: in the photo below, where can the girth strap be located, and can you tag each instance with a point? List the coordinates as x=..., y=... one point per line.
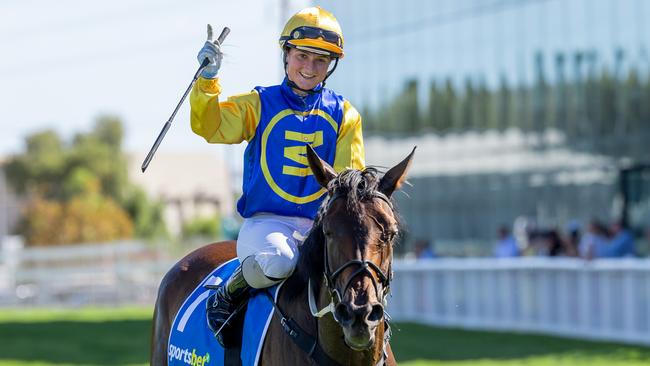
x=304, y=341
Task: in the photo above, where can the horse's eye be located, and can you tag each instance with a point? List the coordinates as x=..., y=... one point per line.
x=389, y=236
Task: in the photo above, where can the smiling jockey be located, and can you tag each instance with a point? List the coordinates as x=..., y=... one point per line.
x=280, y=195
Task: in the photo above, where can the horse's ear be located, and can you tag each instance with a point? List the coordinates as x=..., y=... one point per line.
x=393, y=178
x=323, y=172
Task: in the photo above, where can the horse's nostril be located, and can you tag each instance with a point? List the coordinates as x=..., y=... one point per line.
x=343, y=314
x=376, y=313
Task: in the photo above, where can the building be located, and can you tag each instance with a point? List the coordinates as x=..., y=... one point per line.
x=534, y=106
x=190, y=184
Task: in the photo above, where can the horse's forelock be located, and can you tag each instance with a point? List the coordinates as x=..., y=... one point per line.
x=357, y=186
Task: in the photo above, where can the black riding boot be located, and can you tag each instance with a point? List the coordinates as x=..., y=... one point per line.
x=224, y=301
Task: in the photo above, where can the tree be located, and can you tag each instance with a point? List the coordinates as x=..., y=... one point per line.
x=110, y=131
x=467, y=117
x=80, y=191
x=483, y=107
x=504, y=106
x=600, y=110
x=83, y=219
x=204, y=227
x=409, y=108
x=540, y=94
x=147, y=215
x=100, y=152
x=41, y=167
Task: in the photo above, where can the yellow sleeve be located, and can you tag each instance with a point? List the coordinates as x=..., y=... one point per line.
x=349, y=145
x=230, y=122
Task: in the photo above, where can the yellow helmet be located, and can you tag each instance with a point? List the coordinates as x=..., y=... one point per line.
x=314, y=30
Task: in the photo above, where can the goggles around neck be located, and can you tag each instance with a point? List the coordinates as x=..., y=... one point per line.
x=314, y=33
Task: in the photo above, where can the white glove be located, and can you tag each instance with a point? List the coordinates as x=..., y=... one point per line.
x=212, y=51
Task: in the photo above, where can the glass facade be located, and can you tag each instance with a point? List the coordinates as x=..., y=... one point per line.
x=570, y=78
x=492, y=41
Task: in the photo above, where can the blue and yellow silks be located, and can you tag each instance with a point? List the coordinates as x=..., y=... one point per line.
x=277, y=123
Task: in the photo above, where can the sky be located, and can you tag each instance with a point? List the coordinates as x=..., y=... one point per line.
x=66, y=62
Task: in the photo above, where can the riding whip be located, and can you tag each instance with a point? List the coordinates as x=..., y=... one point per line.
x=168, y=124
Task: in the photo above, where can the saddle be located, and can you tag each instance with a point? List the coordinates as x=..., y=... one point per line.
x=191, y=342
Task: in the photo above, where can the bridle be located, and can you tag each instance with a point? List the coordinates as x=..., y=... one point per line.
x=364, y=265
x=309, y=344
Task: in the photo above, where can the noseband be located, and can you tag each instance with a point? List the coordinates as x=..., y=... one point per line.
x=364, y=265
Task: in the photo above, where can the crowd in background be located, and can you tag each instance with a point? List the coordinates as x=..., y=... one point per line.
x=595, y=239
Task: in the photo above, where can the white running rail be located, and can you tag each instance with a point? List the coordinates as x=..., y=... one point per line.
x=603, y=299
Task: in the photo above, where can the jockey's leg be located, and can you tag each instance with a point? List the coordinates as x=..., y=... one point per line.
x=223, y=302
x=268, y=250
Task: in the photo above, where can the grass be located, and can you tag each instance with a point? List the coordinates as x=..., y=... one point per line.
x=421, y=345
x=96, y=336
x=75, y=337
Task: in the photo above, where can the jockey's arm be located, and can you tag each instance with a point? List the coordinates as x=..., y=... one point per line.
x=349, y=145
x=230, y=122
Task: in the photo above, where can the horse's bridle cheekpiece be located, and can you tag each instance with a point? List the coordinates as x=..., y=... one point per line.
x=364, y=266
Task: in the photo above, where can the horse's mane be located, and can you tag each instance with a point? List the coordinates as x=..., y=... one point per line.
x=356, y=186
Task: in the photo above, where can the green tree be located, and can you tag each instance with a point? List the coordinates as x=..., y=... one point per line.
x=83, y=219
x=147, y=215
x=540, y=118
x=561, y=93
x=484, y=110
x=203, y=227
x=467, y=110
x=504, y=108
x=109, y=130
x=435, y=113
x=410, y=108
x=451, y=101
x=87, y=178
x=99, y=152
x=40, y=168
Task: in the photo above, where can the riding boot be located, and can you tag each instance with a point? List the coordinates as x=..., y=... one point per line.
x=224, y=301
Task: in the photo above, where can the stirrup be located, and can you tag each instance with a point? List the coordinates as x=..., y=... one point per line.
x=225, y=303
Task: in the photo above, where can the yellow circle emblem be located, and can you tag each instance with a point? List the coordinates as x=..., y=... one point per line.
x=264, y=163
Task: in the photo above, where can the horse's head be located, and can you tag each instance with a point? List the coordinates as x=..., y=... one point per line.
x=358, y=225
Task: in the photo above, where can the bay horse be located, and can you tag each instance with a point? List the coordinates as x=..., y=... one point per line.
x=344, y=269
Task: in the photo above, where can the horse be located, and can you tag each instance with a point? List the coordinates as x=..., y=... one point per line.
x=344, y=269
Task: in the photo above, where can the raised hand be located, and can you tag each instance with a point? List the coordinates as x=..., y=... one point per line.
x=212, y=52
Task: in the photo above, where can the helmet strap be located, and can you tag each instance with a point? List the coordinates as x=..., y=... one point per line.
x=293, y=85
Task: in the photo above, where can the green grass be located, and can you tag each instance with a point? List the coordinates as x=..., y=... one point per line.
x=75, y=337
x=96, y=336
x=420, y=345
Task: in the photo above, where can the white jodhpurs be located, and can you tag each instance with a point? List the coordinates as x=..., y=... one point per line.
x=272, y=242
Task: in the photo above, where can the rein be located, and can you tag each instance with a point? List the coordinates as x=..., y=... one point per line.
x=310, y=344
x=364, y=266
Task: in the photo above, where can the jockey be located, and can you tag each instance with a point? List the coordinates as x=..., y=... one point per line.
x=280, y=195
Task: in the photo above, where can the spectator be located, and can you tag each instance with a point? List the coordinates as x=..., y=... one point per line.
x=506, y=246
x=620, y=245
x=594, y=237
x=556, y=246
x=424, y=249
x=572, y=242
